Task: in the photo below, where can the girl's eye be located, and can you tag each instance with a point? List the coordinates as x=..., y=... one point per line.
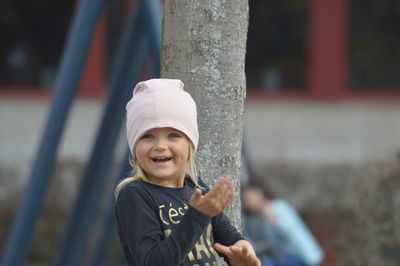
x=147, y=136
x=174, y=135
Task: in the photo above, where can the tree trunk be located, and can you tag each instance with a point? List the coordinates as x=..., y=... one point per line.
x=204, y=44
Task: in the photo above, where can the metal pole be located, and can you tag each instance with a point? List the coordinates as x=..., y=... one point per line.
x=152, y=11
x=152, y=14
x=74, y=56
x=107, y=231
x=109, y=220
x=130, y=57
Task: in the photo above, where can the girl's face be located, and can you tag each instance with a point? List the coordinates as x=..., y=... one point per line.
x=163, y=155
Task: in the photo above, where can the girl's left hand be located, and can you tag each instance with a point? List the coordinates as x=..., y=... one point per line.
x=239, y=254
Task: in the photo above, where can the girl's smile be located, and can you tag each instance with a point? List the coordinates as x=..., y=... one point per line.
x=163, y=155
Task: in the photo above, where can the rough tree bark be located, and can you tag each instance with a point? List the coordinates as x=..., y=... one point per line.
x=204, y=43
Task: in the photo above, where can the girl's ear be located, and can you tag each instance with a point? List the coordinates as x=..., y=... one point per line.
x=132, y=160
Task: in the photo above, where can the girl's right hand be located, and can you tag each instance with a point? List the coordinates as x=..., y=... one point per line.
x=216, y=200
x=239, y=254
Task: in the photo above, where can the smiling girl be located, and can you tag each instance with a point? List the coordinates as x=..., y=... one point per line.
x=165, y=214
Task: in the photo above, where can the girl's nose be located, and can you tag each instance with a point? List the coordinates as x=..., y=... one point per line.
x=160, y=144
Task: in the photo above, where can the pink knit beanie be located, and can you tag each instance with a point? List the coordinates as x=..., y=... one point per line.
x=160, y=103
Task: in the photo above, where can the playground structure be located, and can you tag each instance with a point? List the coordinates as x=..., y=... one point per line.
x=140, y=39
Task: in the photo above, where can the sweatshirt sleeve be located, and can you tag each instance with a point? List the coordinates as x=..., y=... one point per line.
x=224, y=232
x=142, y=237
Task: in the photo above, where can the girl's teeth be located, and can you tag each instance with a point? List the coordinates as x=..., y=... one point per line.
x=161, y=159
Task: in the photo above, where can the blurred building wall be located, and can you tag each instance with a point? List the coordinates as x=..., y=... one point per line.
x=322, y=133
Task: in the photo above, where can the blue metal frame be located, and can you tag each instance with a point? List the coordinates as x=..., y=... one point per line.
x=74, y=56
x=130, y=57
x=108, y=229
x=152, y=14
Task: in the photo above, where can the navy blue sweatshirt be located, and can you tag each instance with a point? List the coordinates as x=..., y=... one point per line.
x=157, y=226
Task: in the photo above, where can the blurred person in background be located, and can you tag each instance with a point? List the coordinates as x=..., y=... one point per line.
x=277, y=232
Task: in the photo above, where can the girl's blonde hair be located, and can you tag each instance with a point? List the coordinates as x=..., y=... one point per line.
x=139, y=174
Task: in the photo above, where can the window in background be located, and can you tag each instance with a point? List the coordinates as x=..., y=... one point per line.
x=32, y=39
x=277, y=44
x=374, y=39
